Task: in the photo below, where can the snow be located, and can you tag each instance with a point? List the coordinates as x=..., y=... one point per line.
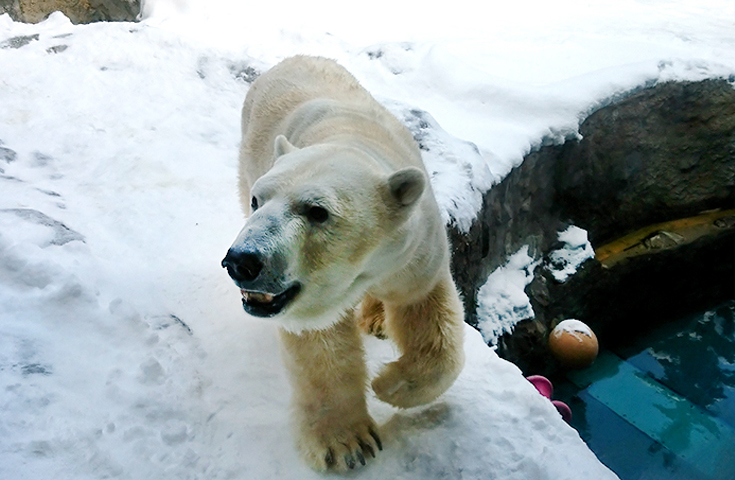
x=565, y=261
x=574, y=327
x=124, y=352
x=502, y=301
x=459, y=173
x=504, y=77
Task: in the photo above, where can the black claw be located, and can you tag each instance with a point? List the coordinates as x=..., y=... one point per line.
x=329, y=458
x=360, y=457
x=366, y=448
x=350, y=461
x=376, y=438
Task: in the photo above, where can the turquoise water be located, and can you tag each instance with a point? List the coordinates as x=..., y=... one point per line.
x=663, y=405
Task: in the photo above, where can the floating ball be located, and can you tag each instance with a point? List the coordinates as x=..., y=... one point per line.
x=542, y=384
x=573, y=344
x=564, y=410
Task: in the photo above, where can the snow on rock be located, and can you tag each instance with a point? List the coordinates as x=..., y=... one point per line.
x=564, y=262
x=502, y=301
x=459, y=174
x=505, y=80
x=124, y=352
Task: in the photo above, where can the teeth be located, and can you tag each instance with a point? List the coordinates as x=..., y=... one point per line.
x=257, y=297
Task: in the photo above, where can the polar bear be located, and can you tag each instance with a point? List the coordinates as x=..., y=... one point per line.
x=342, y=232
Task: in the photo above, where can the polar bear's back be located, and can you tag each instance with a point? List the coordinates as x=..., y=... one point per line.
x=318, y=77
x=278, y=93
x=294, y=81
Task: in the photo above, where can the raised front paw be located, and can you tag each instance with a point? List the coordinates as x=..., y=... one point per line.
x=405, y=383
x=338, y=446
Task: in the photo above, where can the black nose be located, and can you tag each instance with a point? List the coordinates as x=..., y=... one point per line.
x=242, y=266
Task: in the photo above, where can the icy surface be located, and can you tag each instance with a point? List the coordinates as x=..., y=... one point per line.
x=124, y=352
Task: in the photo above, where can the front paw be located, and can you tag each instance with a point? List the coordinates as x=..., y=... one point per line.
x=371, y=319
x=407, y=384
x=338, y=445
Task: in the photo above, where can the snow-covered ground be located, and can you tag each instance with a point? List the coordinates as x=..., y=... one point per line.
x=124, y=352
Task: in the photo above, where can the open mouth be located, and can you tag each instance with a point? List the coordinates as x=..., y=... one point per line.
x=262, y=304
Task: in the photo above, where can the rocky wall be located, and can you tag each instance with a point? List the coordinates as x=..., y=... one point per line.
x=658, y=155
x=78, y=11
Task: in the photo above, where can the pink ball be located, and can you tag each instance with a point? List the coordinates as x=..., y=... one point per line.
x=542, y=384
x=563, y=409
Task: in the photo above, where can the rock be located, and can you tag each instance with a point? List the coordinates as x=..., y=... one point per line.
x=664, y=153
x=660, y=155
x=644, y=291
x=518, y=211
x=85, y=11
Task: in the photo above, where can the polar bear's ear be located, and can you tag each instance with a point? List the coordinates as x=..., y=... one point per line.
x=283, y=146
x=407, y=185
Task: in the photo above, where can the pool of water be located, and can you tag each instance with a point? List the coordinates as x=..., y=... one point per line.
x=662, y=406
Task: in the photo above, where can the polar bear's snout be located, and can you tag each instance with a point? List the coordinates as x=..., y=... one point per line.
x=264, y=294
x=242, y=266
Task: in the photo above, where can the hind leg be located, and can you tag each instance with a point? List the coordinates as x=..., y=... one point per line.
x=429, y=334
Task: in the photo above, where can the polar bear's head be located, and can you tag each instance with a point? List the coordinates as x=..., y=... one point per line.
x=326, y=223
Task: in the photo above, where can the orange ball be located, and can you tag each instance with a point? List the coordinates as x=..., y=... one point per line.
x=573, y=344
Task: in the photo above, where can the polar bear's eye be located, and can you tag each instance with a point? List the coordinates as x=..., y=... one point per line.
x=254, y=204
x=317, y=214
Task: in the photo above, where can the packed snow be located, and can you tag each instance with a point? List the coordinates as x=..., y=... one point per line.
x=124, y=352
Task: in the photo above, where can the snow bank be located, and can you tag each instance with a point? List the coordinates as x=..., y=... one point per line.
x=506, y=77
